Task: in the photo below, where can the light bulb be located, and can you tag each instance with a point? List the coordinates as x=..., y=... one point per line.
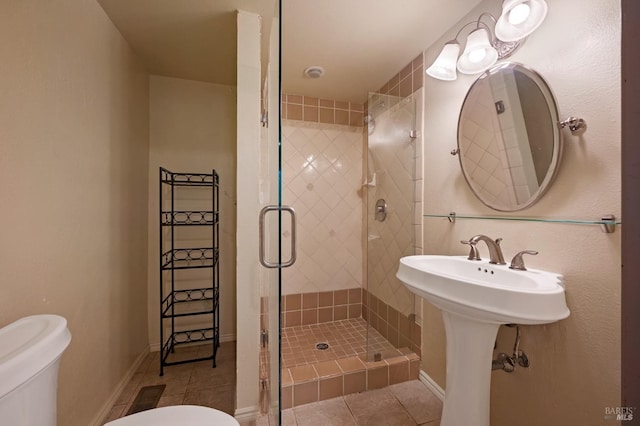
x=520, y=18
x=477, y=55
x=519, y=14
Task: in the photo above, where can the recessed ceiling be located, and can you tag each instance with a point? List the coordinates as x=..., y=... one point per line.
x=359, y=43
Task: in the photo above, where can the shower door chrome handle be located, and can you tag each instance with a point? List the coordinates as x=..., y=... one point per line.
x=262, y=257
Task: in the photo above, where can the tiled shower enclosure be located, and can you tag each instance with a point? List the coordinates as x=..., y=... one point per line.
x=348, y=324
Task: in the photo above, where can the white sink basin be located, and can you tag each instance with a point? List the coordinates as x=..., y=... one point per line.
x=476, y=297
x=484, y=292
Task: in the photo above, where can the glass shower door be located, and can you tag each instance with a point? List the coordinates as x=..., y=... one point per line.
x=390, y=186
x=273, y=217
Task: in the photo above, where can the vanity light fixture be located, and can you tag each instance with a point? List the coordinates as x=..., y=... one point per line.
x=483, y=49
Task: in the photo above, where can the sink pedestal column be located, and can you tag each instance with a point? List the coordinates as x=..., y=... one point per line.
x=469, y=353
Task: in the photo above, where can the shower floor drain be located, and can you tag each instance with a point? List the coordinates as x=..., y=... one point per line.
x=322, y=346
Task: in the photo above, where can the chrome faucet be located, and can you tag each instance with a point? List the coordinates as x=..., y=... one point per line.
x=495, y=252
x=517, y=263
x=473, y=253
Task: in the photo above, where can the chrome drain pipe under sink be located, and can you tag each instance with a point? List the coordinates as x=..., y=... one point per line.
x=508, y=363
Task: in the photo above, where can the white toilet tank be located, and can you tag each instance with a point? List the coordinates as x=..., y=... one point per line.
x=30, y=351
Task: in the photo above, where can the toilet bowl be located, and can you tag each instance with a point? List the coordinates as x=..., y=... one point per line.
x=30, y=351
x=182, y=415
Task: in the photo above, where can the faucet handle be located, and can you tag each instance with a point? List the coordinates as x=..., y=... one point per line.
x=517, y=262
x=473, y=253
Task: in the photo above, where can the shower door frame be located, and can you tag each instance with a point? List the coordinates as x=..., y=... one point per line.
x=270, y=231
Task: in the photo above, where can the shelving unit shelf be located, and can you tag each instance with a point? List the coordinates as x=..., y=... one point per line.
x=189, y=266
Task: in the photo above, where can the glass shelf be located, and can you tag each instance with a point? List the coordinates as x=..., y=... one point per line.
x=607, y=222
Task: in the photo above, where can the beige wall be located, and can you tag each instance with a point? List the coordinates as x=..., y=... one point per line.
x=250, y=200
x=73, y=172
x=193, y=129
x=575, y=363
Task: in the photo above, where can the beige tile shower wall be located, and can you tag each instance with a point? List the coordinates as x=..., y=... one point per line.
x=405, y=231
x=391, y=171
x=322, y=172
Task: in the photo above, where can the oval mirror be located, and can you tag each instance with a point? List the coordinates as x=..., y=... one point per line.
x=509, y=142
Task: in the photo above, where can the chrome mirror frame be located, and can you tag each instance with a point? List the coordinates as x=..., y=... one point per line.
x=555, y=140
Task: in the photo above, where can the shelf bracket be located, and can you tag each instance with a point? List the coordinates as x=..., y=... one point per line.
x=609, y=225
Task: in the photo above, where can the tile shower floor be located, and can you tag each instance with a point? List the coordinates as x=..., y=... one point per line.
x=346, y=338
x=344, y=366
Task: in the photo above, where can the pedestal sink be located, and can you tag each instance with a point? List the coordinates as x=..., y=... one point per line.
x=476, y=297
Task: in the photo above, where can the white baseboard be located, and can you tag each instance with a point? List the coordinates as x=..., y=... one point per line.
x=432, y=385
x=106, y=407
x=227, y=338
x=247, y=414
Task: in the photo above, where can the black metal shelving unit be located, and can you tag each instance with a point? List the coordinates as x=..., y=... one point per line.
x=189, y=266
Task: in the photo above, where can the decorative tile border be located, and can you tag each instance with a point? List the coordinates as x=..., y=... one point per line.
x=407, y=81
x=315, y=308
x=400, y=330
x=330, y=379
x=319, y=110
x=322, y=307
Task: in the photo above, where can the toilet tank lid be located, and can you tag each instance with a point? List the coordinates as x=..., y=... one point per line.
x=29, y=345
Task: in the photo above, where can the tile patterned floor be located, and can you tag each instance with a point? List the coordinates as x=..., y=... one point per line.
x=194, y=383
x=404, y=404
x=346, y=338
x=408, y=403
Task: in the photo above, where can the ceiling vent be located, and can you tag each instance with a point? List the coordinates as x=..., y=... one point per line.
x=314, y=72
